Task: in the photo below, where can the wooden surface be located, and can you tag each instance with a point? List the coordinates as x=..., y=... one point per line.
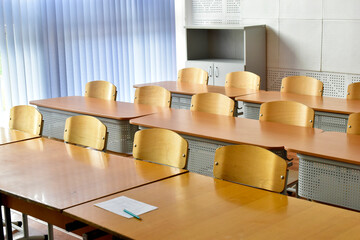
x=193, y=75
x=191, y=89
x=97, y=107
x=353, y=92
x=192, y=206
x=215, y=103
x=161, y=146
x=153, y=95
x=86, y=131
x=242, y=79
x=59, y=175
x=26, y=118
x=353, y=125
x=100, y=89
x=323, y=104
x=252, y=166
x=302, y=85
x=10, y=136
x=227, y=129
x=331, y=145
x=287, y=112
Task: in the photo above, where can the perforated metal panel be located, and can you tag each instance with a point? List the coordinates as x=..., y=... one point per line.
x=329, y=181
x=331, y=121
x=120, y=133
x=251, y=110
x=179, y=101
x=214, y=12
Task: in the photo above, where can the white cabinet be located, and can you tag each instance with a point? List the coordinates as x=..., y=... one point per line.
x=221, y=50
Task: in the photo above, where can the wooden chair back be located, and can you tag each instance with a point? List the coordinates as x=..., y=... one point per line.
x=193, y=75
x=26, y=118
x=251, y=165
x=153, y=95
x=353, y=126
x=287, y=112
x=302, y=85
x=242, y=79
x=215, y=103
x=100, y=89
x=86, y=131
x=353, y=92
x=160, y=146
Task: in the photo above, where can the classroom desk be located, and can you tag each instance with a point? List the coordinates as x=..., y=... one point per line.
x=331, y=114
x=192, y=206
x=181, y=92
x=115, y=115
x=42, y=177
x=11, y=136
x=206, y=132
x=329, y=169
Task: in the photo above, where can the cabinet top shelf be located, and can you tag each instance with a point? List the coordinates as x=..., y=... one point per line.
x=240, y=27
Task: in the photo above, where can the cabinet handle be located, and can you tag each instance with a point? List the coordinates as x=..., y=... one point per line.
x=216, y=72
x=210, y=72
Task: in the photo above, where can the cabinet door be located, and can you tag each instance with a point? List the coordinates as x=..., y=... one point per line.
x=221, y=69
x=207, y=66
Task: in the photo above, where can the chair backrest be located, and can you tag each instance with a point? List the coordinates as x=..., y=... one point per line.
x=26, y=118
x=353, y=126
x=86, y=131
x=287, y=112
x=353, y=91
x=215, y=103
x=302, y=85
x=193, y=75
x=100, y=89
x=242, y=79
x=251, y=165
x=153, y=95
x=160, y=146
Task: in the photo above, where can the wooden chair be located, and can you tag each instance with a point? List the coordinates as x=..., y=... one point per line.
x=353, y=92
x=153, y=95
x=193, y=75
x=160, y=146
x=242, y=79
x=100, y=89
x=26, y=118
x=302, y=85
x=353, y=126
x=287, y=112
x=215, y=103
x=251, y=165
x=86, y=131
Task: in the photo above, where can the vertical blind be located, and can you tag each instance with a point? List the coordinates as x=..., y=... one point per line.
x=52, y=48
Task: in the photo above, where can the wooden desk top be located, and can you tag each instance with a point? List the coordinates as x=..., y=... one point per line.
x=323, y=104
x=192, y=206
x=331, y=145
x=97, y=107
x=227, y=129
x=11, y=136
x=191, y=89
x=58, y=175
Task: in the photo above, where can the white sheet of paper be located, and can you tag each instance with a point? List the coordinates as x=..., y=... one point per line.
x=117, y=205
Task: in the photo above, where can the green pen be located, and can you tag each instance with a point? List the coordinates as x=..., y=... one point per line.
x=132, y=214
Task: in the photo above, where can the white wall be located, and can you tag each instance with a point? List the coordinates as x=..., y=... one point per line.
x=309, y=37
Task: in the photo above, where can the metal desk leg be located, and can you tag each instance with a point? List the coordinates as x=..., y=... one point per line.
x=8, y=223
x=1, y=221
